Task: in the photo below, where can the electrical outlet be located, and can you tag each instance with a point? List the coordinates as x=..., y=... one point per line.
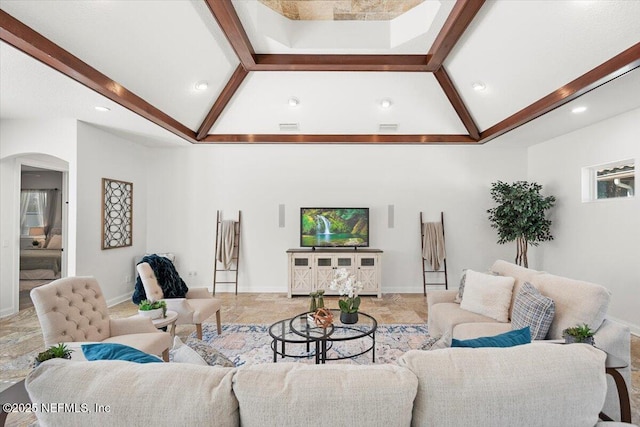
x=127, y=279
x=192, y=273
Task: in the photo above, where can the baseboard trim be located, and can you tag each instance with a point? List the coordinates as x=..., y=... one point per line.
x=119, y=299
x=7, y=312
x=635, y=329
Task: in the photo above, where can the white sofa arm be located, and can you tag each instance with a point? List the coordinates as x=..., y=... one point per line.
x=182, y=307
x=437, y=297
x=198, y=293
x=615, y=338
x=131, y=325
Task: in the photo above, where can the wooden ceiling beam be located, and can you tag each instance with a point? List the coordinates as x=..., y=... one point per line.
x=457, y=22
x=44, y=50
x=604, y=73
x=457, y=103
x=225, y=96
x=401, y=63
x=229, y=22
x=336, y=139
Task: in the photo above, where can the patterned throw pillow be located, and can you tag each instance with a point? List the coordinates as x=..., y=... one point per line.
x=534, y=310
x=463, y=279
x=209, y=354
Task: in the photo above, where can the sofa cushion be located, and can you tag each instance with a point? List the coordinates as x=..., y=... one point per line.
x=534, y=384
x=520, y=274
x=576, y=302
x=506, y=339
x=137, y=394
x=534, y=310
x=487, y=295
x=115, y=351
x=295, y=394
x=444, y=317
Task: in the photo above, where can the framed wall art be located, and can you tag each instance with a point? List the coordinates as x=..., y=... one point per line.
x=117, y=213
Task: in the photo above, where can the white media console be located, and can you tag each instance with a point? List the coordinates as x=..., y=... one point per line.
x=313, y=270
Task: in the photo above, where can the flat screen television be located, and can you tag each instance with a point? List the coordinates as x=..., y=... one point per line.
x=334, y=227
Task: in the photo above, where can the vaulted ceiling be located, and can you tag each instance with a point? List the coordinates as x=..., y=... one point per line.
x=342, y=71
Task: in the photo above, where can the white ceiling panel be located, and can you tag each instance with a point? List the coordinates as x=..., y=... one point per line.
x=524, y=50
x=32, y=90
x=410, y=33
x=616, y=97
x=339, y=102
x=156, y=49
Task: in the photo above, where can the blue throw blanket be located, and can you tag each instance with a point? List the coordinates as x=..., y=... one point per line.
x=168, y=278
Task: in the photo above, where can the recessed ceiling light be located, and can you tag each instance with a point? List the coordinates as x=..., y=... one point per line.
x=478, y=86
x=385, y=103
x=293, y=101
x=201, y=86
x=100, y=108
x=578, y=110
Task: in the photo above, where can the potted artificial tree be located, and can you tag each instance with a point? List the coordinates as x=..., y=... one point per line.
x=520, y=215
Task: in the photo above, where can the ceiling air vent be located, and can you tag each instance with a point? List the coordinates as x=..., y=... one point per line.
x=388, y=127
x=289, y=127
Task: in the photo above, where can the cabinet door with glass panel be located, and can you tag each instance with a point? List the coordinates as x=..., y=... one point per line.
x=326, y=266
x=300, y=274
x=367, y=273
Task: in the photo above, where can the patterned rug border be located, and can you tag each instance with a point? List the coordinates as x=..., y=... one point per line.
x=250, y=343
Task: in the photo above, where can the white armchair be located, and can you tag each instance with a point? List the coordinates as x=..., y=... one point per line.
x=73, y=309
x=197, y=306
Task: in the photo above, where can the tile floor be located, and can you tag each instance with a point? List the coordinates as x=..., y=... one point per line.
x=20, y=335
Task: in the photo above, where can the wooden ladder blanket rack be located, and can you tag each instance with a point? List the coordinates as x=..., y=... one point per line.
x=235, y=258
x=426, y=266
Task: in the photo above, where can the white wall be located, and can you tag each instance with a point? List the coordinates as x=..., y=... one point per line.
x=50, y=144
x=595, y=241
x=190, y=184
x=103, y=155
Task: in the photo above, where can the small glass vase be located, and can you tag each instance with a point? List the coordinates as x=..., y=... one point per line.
x=320, y=300
x=312, y=303
x=348, y=318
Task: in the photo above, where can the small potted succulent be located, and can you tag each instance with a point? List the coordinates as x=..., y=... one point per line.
x=57, y=351
x=579, y=334
x=153, y=310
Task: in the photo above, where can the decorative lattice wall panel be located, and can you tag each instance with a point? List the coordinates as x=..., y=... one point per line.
x=117, y=213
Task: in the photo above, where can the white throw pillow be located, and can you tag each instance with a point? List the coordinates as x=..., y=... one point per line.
x=182, y=353
x=487, y=295
x=55, y=242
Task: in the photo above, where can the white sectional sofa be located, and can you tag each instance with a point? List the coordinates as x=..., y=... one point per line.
x=528, y=385
x=576, y=302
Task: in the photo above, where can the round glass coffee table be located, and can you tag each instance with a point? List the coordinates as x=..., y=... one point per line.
x=300, y=330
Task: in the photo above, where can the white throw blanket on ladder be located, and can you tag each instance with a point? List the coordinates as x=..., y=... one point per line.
x=226, y=241
x=433, y=244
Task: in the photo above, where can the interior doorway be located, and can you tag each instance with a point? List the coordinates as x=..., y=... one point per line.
x=42, y=213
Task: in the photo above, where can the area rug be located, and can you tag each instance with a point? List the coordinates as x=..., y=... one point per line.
x=247, y=344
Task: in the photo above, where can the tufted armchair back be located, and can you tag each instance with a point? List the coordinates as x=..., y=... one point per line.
x=71, y=309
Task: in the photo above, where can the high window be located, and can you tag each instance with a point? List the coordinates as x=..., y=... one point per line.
x=609, y=181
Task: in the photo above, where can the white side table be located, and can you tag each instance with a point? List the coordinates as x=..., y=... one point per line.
x=169, y=320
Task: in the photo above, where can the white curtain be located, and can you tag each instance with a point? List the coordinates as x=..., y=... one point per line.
x=33, y=209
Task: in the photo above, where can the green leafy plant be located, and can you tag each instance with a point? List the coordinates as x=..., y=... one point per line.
x=520, y=215
x=146, y=305
x=580, y=333
x=57, y=351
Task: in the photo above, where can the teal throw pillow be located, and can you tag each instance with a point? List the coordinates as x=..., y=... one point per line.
x=507, y=339
x=113, y=351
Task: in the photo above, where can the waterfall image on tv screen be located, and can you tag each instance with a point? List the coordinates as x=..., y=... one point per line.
x=334, y=227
